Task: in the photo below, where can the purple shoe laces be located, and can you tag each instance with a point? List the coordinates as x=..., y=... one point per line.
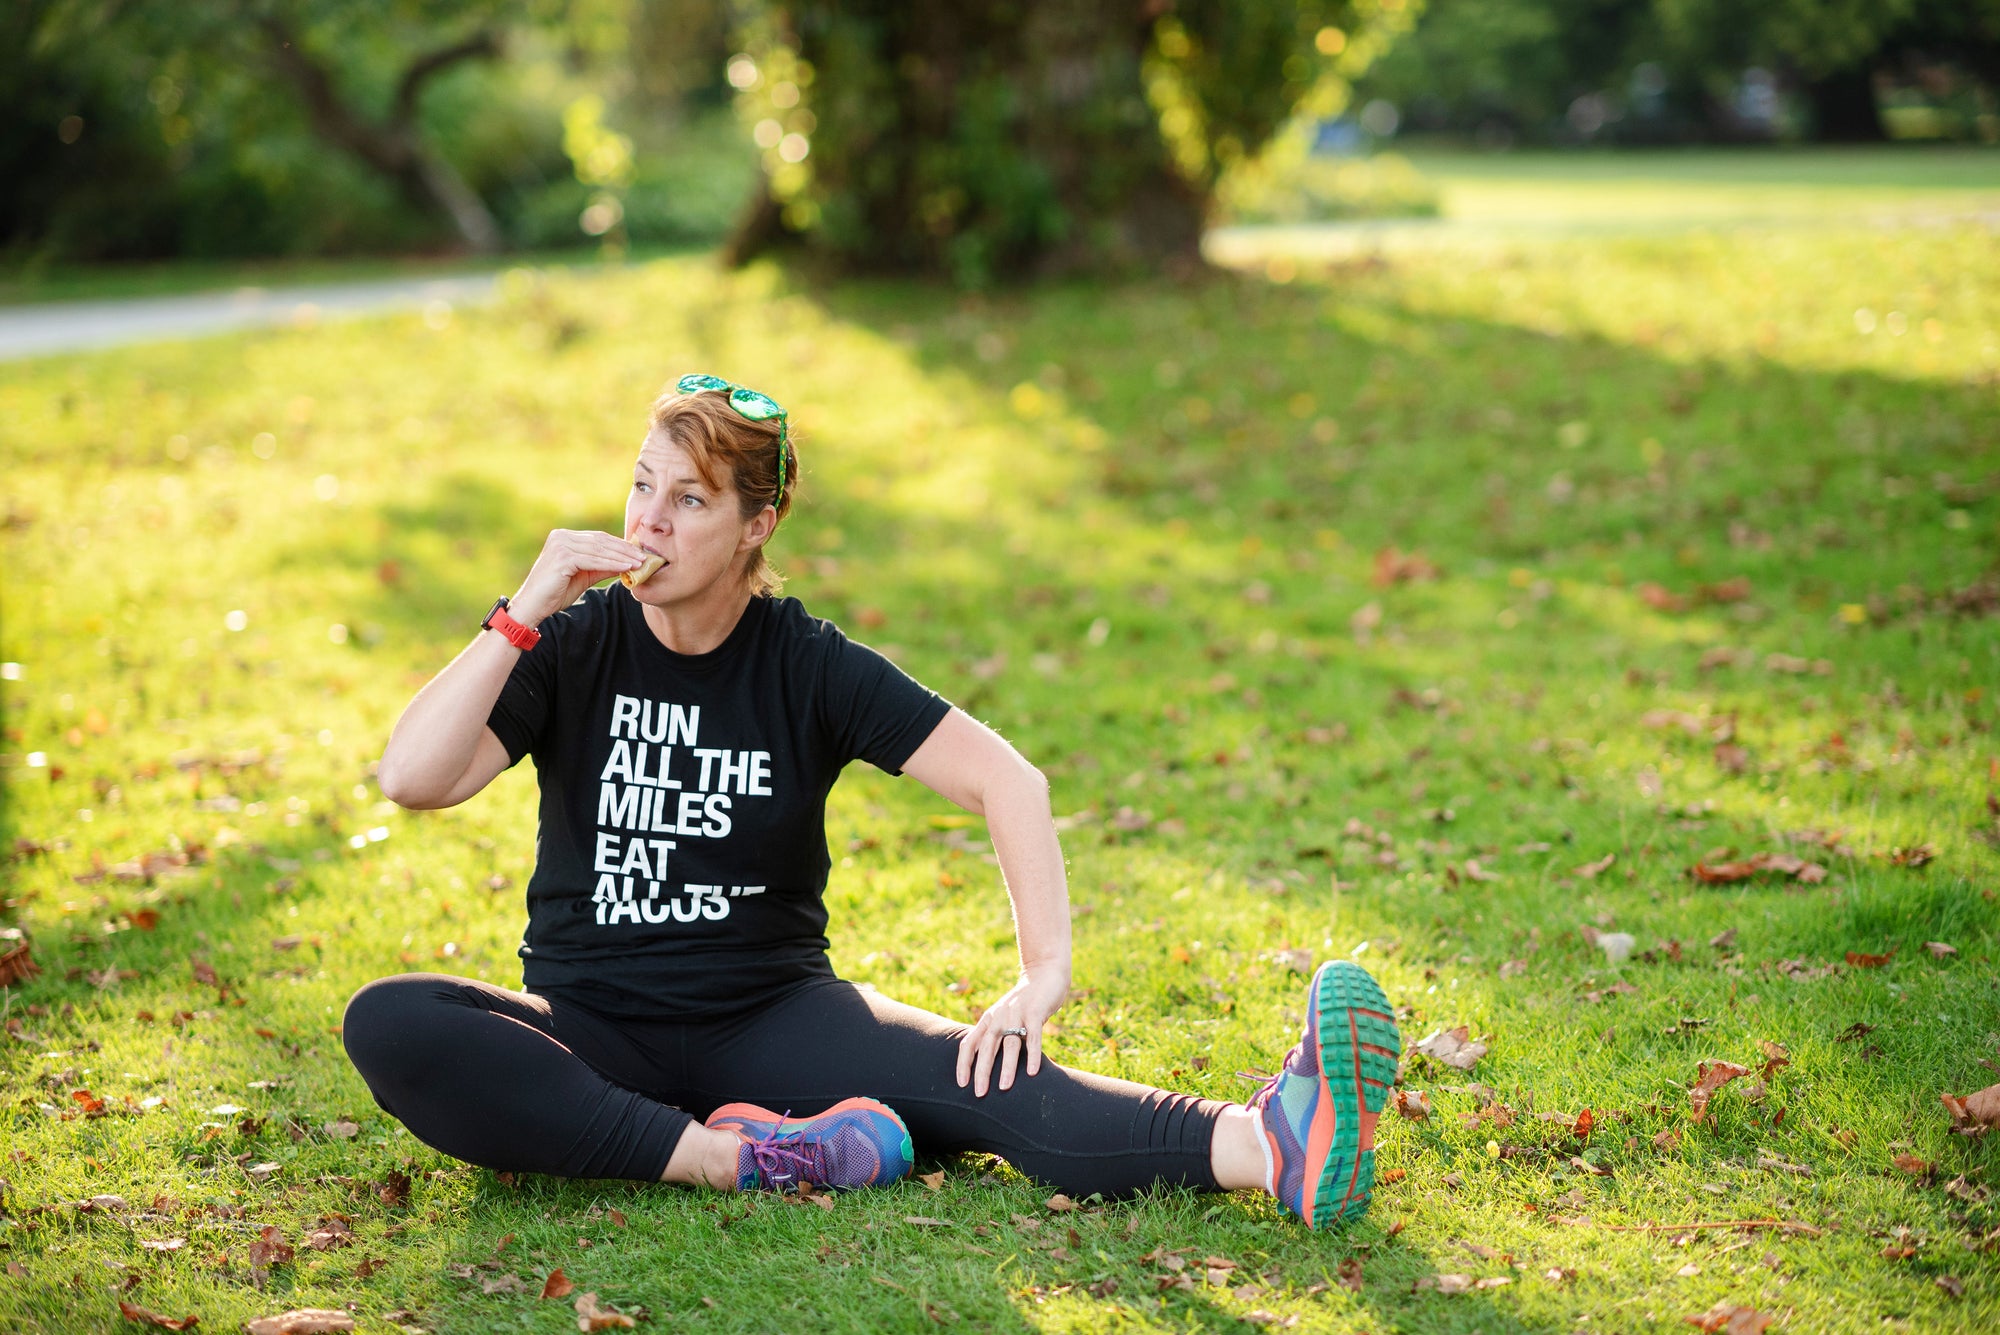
x=783, y=1160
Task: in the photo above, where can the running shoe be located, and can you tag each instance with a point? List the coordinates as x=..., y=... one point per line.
x=1317, y=1114
x=855, y=1143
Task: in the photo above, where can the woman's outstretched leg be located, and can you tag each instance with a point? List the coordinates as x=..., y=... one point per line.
x=1080, y=1132
x=480, y=1073
x=1307, y=1137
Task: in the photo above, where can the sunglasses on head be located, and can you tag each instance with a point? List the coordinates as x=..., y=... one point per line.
x=748, y=403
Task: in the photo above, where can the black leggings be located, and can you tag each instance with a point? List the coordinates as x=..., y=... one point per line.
x=515, y=1081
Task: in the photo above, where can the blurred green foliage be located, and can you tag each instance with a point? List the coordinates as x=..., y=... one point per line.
x=1670, y=70
x=149, y=129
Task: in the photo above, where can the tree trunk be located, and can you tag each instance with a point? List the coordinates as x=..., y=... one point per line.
x=1843, y=108
x=980, y=140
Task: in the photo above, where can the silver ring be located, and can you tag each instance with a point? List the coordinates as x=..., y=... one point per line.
x=1013, y=1033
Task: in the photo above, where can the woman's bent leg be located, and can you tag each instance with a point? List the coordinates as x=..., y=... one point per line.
x=478, y=1072
x=1081, y=1132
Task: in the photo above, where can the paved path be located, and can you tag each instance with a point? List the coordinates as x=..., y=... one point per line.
x=72, y=326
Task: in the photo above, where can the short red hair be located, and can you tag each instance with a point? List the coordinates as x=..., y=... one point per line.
x=732, y=452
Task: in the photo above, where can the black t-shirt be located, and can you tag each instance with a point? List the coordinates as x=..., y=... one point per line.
x=681, y=860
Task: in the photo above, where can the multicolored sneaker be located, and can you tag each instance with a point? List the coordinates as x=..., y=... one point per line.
x=1317, y=1115
x=855, y=1143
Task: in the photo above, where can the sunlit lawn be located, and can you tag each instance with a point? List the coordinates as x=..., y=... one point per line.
x=1444, y=612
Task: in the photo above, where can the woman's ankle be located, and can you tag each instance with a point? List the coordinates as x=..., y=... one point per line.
x=1236, y=1152
x=704, y=1158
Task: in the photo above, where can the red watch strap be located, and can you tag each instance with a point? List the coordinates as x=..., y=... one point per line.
x=518, y=635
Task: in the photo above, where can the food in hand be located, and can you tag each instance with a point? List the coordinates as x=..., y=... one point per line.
x=634, y=578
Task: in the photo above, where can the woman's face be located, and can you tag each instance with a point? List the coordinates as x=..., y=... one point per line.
x=699, y=529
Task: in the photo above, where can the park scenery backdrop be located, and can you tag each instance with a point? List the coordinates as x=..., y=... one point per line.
x=1574, y=596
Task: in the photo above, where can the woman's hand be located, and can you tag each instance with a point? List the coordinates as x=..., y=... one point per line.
x=1027, y=1005
x=571, y=561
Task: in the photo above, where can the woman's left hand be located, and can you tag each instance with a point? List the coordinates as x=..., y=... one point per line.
x=1026, y=1006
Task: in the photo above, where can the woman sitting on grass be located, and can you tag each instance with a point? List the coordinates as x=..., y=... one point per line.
x=686, y=726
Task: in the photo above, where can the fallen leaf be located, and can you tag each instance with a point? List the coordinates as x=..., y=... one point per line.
x=332, y=1233
x=303, y=1321
x=1860, y=961
x=1981, y=1109
x=1775, y=1056
x=1413, y=1104
x=394, y=1189
x=1912, y=1165
x=1729, y=1319
x=163, y=1244
x=934, y=1181
x=342, y=1129
x=1059, y=1203
x=618, y=1218
x=1590, y=869
x=557, y=1285
x=1723, y=940
x=1915, y=856
x=17, y=965
x=1854, y=1032
x=1940, y=950
x=1444, y=1283
x=1350, y=1274
x=204, y=973
x=1952, y=1285
x=509, y=1283
x=925, y=1221
x=589, y=1316
x=1617, y=946
x=1709, y=1077
x=1453, y=1047
x=268, y=1249
x=146, y=1317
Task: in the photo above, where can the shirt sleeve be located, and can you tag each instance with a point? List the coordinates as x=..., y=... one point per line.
x=872, y=709
x=527, y=702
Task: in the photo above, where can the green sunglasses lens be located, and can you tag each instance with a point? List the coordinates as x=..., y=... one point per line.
x=690, y=384
x=757, y=407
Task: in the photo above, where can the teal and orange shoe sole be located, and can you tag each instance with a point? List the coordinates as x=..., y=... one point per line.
x=1358, y=1050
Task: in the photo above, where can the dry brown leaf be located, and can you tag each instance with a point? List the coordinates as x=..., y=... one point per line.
x=147, y=1317
x=1444, y=1283
x=1453, y=1047
x=17, y=965
x=1709, y=1077
x=1939, y=950
x=163, y=1244
x=1912, y=1165
x=394, y=1189
x=302, y=1321
x=1729, y=1319
x=1981, y=1109
x=1858, y=960
x=1774, y=1057
x=269, y=1249
x=934, y=1181
x=342, y=1129
x=618, y=1218
x=1059, y=1203
x=332, y=1232
x=925, y=1221
x=1413, y=1104
x=1590, y=869
x=1350, y=1273
x=589, y=1316
x=557, y=1285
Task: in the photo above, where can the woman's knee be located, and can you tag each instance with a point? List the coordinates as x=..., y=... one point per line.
x=383, y=1017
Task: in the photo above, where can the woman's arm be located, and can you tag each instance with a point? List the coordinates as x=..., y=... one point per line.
x=441, y=752
x=968, y=763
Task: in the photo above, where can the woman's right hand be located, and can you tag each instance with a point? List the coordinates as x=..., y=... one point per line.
x=571, y=561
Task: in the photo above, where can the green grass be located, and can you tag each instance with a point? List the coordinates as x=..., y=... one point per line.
x=1136, y=528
